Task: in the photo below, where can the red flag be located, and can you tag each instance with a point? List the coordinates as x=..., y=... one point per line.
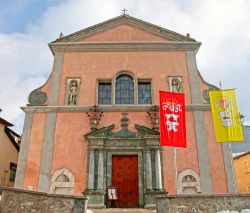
x=172, y=119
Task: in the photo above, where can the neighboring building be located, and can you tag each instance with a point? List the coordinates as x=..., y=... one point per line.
x=242, y=147
x=242, y=171
x=120, y=65
x=9, y=149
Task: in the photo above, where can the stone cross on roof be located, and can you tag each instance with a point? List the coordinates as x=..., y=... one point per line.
x=124, y=12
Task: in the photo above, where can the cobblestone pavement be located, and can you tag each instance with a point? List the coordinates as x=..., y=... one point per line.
x=121, y=210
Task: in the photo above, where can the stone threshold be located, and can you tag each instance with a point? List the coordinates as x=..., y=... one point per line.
x=121, y=210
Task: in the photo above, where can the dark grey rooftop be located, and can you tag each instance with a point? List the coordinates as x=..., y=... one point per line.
x=242, y=147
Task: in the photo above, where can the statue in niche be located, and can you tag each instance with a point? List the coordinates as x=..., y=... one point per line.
x=73, y=92
x=188, y=178
x=176, y=85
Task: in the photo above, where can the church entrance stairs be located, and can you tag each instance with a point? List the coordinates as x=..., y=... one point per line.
x=122, y=210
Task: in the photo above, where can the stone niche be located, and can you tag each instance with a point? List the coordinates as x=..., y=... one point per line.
x=62, y=182
x=188, y=182
x=72, y=91
x=175, y=84
x=104, y=143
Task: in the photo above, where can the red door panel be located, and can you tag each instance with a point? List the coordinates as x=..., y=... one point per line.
x=125, y=178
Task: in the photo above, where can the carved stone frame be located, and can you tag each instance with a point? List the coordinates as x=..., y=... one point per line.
x=169, y=80
x=124, y=142
x=139, y=153
x=181, y=185
x=69, y=185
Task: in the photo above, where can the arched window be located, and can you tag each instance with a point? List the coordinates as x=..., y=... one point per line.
x=124, y=90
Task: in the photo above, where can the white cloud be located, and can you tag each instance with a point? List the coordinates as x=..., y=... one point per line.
x=221, y=26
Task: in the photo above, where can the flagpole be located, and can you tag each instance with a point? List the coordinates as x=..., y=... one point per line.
x=230, y=150
x=175, y=170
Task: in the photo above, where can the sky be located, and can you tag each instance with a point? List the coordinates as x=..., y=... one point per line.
x=27, y=26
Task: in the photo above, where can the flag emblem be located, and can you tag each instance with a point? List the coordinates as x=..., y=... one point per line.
x=171, y=118
x=224, y=106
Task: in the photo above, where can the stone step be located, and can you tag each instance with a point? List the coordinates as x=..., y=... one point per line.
x=121, y=210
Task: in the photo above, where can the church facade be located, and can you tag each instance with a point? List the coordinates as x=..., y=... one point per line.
x=95, y=122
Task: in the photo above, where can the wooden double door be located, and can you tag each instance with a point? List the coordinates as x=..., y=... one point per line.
x=125, y=178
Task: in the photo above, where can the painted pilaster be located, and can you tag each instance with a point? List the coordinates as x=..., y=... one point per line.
x=200, y=128
x=55, y=79
x=148, y=170
x=23, y=154
x=229, y=167
x=158, y=170
x=50, y=125
x=47, y=153
x=91, y=169
x=100, y=170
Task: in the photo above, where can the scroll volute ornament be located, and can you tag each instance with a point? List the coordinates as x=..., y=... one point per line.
x=153, y=115
x=95, y=113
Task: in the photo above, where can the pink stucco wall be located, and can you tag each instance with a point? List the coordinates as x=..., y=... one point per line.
x=216, y=158
x=70, y=148
x=35, y=151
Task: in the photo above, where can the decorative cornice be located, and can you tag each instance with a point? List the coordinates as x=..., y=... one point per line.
x=124, y=46
x=115, y=108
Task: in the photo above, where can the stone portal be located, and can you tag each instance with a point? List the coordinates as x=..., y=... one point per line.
x=140, y=151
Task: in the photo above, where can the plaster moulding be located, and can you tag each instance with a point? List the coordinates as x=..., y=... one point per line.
x=124, y=46
x=110, y=108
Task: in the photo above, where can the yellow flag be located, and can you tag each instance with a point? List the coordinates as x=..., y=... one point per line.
x=226, y=116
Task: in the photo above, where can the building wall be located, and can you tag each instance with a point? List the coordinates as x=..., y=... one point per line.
x=8, y=154
x=69, y=145
x=242, y=172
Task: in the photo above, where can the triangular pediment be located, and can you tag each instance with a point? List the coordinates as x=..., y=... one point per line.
x=145, y=131
x=124, y=132
x=102, y=132
x=123, y=32
x=124, y=28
